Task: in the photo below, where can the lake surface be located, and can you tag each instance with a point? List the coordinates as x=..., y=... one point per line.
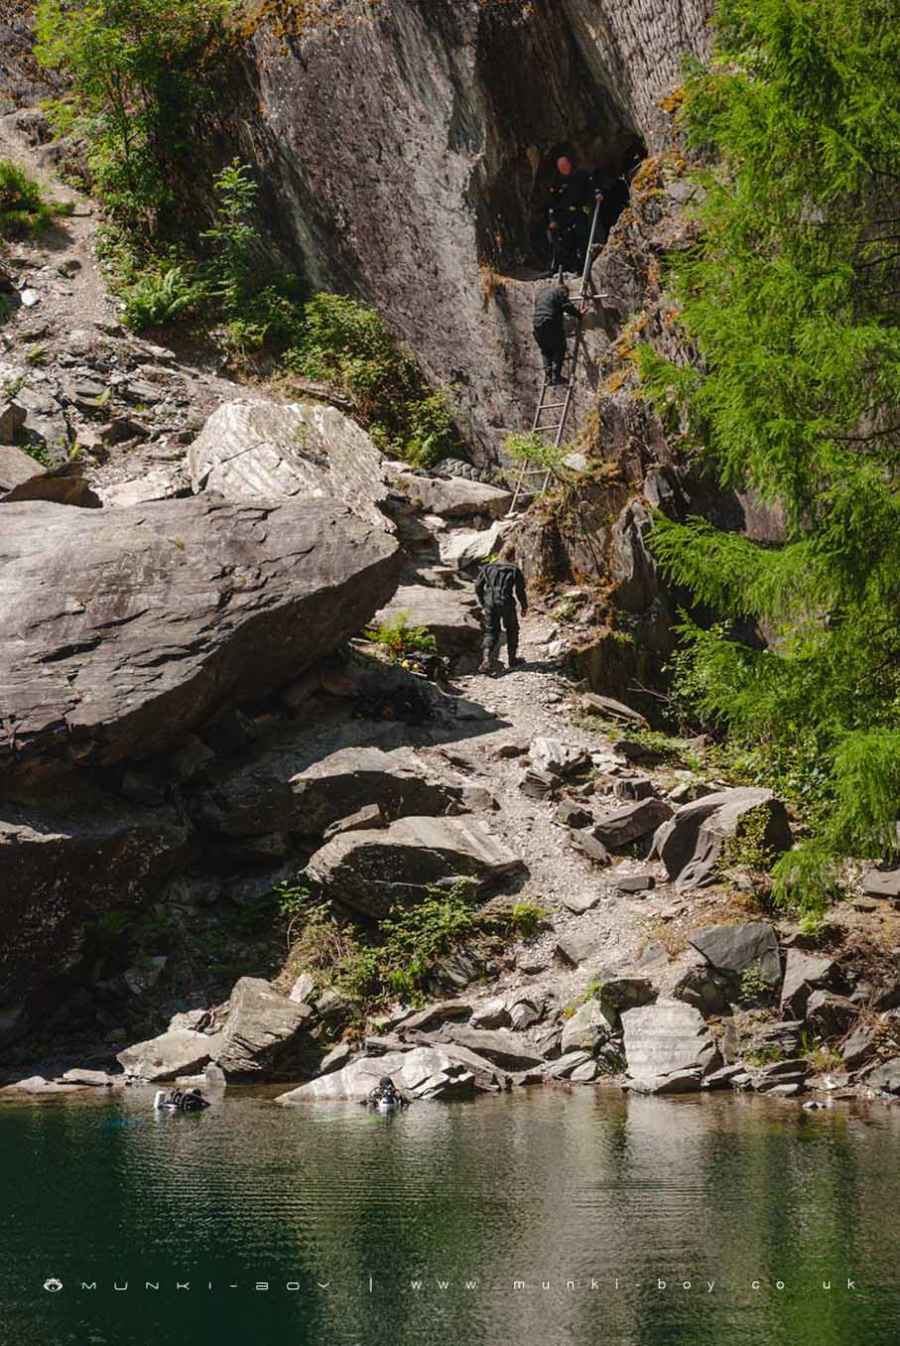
x=592, y=1200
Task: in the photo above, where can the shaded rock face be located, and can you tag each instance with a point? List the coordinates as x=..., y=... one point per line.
x=58, y=867
x=120, y=630
x=439, y=97
x=282, y=450
x=735, y=949
x=284, y=789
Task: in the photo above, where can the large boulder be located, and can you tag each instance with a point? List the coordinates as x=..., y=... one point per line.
x=425, y=1072
x=120, y=630
x=87, y=856
x=449, y=615
x=450, y=497
x=271, y=793
x=266, y=1035
x=737, y=949
x=180, y=1051
x=369, y=871
x=690, y=844
x=665, y=1040
x=284, y=450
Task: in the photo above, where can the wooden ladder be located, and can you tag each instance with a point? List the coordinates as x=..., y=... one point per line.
x=546, y=406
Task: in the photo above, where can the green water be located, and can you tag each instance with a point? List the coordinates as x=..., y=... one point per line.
x=350, y=1209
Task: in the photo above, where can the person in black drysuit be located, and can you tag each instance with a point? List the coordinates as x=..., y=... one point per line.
x=498, y=586
x=570, y=209
x=550, y=308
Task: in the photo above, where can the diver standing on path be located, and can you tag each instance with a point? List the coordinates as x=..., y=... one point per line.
x=498, y=586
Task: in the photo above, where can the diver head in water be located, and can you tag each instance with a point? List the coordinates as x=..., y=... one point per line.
x=385, y=1095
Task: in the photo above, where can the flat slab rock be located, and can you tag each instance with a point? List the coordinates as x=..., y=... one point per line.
x=369, y=871
x=667, y=1039
x=882, y=883
x=424, y=1072
x=177, y=1052
x=510, y=1050
x=121, y=630
x=617, y=827
x=450, y=497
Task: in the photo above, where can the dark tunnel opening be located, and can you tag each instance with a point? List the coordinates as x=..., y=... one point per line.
x=544, y=104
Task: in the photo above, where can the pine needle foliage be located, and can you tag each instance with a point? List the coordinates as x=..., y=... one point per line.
x=790, y=298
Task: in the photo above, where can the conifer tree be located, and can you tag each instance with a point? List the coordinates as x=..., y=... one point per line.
x=790, y=297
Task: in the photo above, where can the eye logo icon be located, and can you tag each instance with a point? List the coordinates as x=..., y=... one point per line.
x=53, y=1284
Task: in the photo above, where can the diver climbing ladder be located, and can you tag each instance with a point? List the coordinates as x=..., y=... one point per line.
x=563, y=392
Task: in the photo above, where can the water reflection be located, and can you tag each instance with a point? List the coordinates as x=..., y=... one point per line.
x=580, y=1218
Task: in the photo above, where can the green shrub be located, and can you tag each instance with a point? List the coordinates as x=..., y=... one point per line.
x=348, y=346
x=137, y=70
x=394, y=961
x=159, y=297
x=23, y=210
x=533, y=449
x=525, y=917
x=753, y=985
x=399, y=639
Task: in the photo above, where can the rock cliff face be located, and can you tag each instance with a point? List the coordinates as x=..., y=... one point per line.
x=405, y=155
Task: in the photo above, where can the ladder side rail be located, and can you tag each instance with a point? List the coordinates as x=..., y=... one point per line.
x=589, y=255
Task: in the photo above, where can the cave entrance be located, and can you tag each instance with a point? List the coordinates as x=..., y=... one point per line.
x=539, y=100
x=597, y=162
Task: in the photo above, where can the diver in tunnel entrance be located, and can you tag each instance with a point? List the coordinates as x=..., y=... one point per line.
x=570, y=206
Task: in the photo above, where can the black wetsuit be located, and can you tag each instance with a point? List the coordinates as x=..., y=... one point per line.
x=570, y=207
x=497, y=588
x=549, y=333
